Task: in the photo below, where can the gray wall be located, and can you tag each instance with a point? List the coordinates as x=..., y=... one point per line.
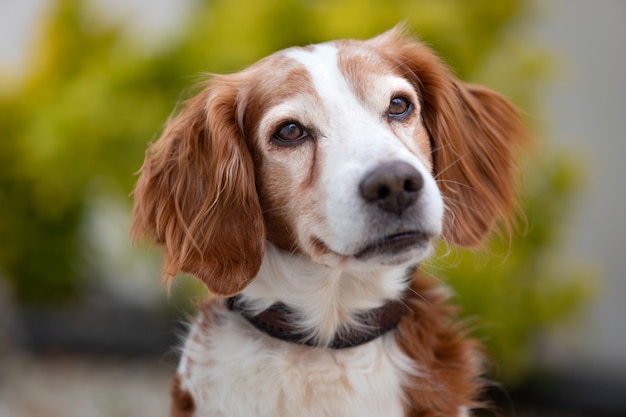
x=586, y=111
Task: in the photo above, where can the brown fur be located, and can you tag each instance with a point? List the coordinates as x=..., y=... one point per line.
x=280, y=80
x=449, y=363
x=201, y=187
x=182, y=402
x=196, y=195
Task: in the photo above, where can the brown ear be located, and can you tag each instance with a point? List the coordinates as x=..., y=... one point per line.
x=475, y=133
x=196, y=194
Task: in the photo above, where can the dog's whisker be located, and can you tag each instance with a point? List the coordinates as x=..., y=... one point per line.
x=420, y=296
x=461, y=184
x=451, y=164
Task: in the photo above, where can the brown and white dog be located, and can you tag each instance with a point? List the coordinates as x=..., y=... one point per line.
x=304, y=192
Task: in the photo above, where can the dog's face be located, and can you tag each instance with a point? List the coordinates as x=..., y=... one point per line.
x=343, y=159
x=342, y=152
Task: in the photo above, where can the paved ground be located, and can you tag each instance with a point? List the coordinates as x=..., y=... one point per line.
x=83, y=387
x=36, y=386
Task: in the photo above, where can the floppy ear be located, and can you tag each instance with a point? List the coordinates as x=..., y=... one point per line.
x=197, y=197
x=475, y=134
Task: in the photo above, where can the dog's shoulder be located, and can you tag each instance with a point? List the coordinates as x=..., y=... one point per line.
x=450, y=362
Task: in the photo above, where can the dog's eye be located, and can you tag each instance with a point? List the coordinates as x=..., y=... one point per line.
x=399, y=107
x=290, y=134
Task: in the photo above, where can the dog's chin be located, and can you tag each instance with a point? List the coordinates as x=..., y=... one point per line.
x=409, y=247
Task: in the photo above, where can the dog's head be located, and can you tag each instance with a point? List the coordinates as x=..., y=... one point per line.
x=351, y=153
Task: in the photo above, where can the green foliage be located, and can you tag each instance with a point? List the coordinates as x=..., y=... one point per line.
x=85, y=112
x=92, y=100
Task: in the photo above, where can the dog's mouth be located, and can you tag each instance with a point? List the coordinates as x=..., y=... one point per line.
x=394, y=244
x=389, y=246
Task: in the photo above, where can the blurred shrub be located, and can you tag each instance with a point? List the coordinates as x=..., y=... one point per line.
x=92, y=100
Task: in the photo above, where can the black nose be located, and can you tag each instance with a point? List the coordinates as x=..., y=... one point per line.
x=393, y=186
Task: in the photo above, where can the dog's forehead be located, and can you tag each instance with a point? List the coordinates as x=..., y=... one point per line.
x=321, y=61
x=351, y=64
x=355, y=63
x=321, y=71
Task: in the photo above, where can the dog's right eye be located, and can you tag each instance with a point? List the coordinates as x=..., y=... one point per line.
x=399, y=107
x=290, y=134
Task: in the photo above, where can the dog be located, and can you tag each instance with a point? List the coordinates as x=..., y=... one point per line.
x=305, y=191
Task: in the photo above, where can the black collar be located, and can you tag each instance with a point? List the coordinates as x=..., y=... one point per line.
x=276, y=321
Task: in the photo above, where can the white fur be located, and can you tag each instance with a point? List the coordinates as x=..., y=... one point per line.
x=232, y=369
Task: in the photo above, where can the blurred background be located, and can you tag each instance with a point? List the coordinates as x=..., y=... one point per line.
x=85, y=328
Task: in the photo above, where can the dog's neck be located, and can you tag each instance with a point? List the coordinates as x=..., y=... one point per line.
x=325, y=300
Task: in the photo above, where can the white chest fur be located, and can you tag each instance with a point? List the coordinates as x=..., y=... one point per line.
x=231, y=369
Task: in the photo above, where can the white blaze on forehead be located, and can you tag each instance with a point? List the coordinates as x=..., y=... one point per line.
x=332, y=93
x=322, y=63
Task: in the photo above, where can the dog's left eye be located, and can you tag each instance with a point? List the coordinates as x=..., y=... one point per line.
x=290, y=134
x=399, y=107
